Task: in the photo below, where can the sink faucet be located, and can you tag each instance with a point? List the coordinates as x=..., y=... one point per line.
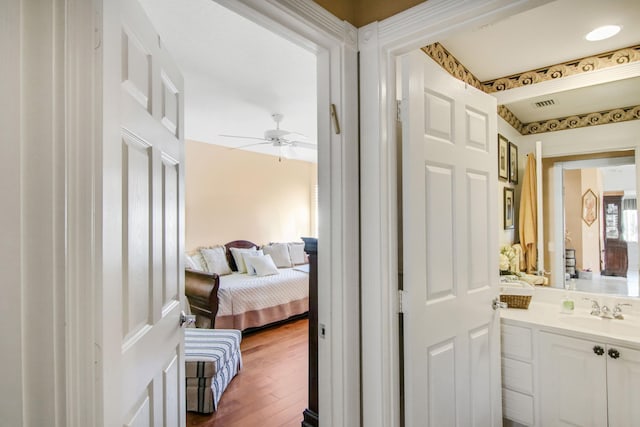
x=617, y=311
x=605, y=312
x=595, y=307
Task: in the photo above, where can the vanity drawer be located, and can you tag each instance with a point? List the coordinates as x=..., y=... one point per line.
x=517, y=407
x=516, y=342
x=517, y=375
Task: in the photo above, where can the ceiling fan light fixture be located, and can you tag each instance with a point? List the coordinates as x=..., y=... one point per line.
x=275, y=134
x=602, y=33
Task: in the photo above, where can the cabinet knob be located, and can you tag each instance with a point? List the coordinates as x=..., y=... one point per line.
x=599, y=350
x=613, y=353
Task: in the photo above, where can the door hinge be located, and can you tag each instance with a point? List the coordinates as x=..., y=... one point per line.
x=398, y=110
x=402, y=300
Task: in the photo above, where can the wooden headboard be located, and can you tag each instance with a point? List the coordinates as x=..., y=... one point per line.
x=243, y=244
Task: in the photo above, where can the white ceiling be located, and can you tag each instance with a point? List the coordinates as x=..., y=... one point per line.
x=236, y=75
x=602, y=97
x=548, y=35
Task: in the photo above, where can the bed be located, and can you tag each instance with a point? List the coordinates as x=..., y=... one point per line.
x=241, y=301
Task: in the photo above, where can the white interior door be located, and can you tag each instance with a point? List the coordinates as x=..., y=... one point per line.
x=451, y=332
x=142, y=197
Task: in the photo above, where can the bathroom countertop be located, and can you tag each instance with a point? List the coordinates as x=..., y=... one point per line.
x=548, y=316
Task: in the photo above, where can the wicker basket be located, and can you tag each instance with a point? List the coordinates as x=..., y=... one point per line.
x=516, y=301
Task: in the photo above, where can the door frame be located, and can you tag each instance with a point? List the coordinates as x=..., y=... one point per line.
x=380, y=45
x=335, y=43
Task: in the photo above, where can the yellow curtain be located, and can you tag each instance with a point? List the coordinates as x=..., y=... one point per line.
x=528, y=224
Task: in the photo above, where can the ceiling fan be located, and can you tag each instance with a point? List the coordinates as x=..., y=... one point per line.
x=277, y=137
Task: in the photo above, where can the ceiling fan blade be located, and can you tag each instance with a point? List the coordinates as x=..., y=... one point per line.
x=303, y=144
x=294, y=134
x=249, y=145
x=243, y=137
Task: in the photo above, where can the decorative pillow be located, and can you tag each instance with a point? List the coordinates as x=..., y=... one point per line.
x=247, y=257
x=190, y=263
x=195, y=261
x=264, y=265
x=296, y=252
x=279, y=253
x=216, y=260
x=237, y=257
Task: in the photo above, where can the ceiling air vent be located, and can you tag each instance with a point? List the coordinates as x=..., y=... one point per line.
x=545, y=103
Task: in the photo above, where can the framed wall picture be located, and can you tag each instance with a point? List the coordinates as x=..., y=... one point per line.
x=513, y=163
x=509, y=208
x=503, y=158
x=589, y=207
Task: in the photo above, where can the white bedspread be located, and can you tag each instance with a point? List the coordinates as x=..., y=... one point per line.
x=240, y=293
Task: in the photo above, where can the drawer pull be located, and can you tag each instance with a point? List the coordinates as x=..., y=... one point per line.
x=598, y=350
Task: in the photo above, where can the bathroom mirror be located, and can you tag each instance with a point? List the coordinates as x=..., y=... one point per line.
x=590, y=222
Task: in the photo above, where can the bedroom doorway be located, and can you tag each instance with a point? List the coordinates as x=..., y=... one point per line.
x=264, y=102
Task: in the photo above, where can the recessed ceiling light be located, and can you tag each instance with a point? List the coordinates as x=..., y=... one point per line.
x=602, y=33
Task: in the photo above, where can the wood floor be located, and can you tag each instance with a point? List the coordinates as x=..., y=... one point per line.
x=271, y=389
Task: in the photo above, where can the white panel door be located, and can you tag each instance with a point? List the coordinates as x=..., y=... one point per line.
x=451, y=332
x=573, y=382
x=623, y=385
x=143, y=288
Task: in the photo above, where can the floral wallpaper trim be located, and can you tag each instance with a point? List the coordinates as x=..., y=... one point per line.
x=449, y=63
x=571, y=68
x=511, y=118
x=590, y=119
x=438, y=53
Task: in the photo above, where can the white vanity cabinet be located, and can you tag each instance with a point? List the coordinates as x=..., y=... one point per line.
x=552, y=377
x=573, y=382
x=623, y=387
x=588, y=383
x=517, y=374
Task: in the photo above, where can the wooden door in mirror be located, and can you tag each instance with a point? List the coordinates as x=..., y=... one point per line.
x=616, y=259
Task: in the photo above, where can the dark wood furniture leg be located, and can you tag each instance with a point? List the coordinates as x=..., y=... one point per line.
x=201, y=290
x=311, y=413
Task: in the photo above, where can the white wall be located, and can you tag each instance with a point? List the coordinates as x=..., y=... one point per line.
x=241, y=195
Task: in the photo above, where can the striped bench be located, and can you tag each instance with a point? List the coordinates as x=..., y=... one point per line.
x=212, y=359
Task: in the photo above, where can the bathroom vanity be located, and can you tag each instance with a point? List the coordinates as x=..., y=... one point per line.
x=570, y=369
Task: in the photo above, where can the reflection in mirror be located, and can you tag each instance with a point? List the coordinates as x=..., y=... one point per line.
x=591, y=222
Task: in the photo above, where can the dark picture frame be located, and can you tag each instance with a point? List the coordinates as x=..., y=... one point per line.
x=513, y=163
x=503, y=158
x=509, y=207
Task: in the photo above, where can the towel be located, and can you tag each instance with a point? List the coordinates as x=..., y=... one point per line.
x=528, y=215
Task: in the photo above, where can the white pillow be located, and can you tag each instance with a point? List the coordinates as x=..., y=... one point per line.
x=247, y=258
x=195, y=261
x=296, y=252
x=190, y=263
x=264, y=265
x=216, y=260
x=280, y=254
x=237, y=257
